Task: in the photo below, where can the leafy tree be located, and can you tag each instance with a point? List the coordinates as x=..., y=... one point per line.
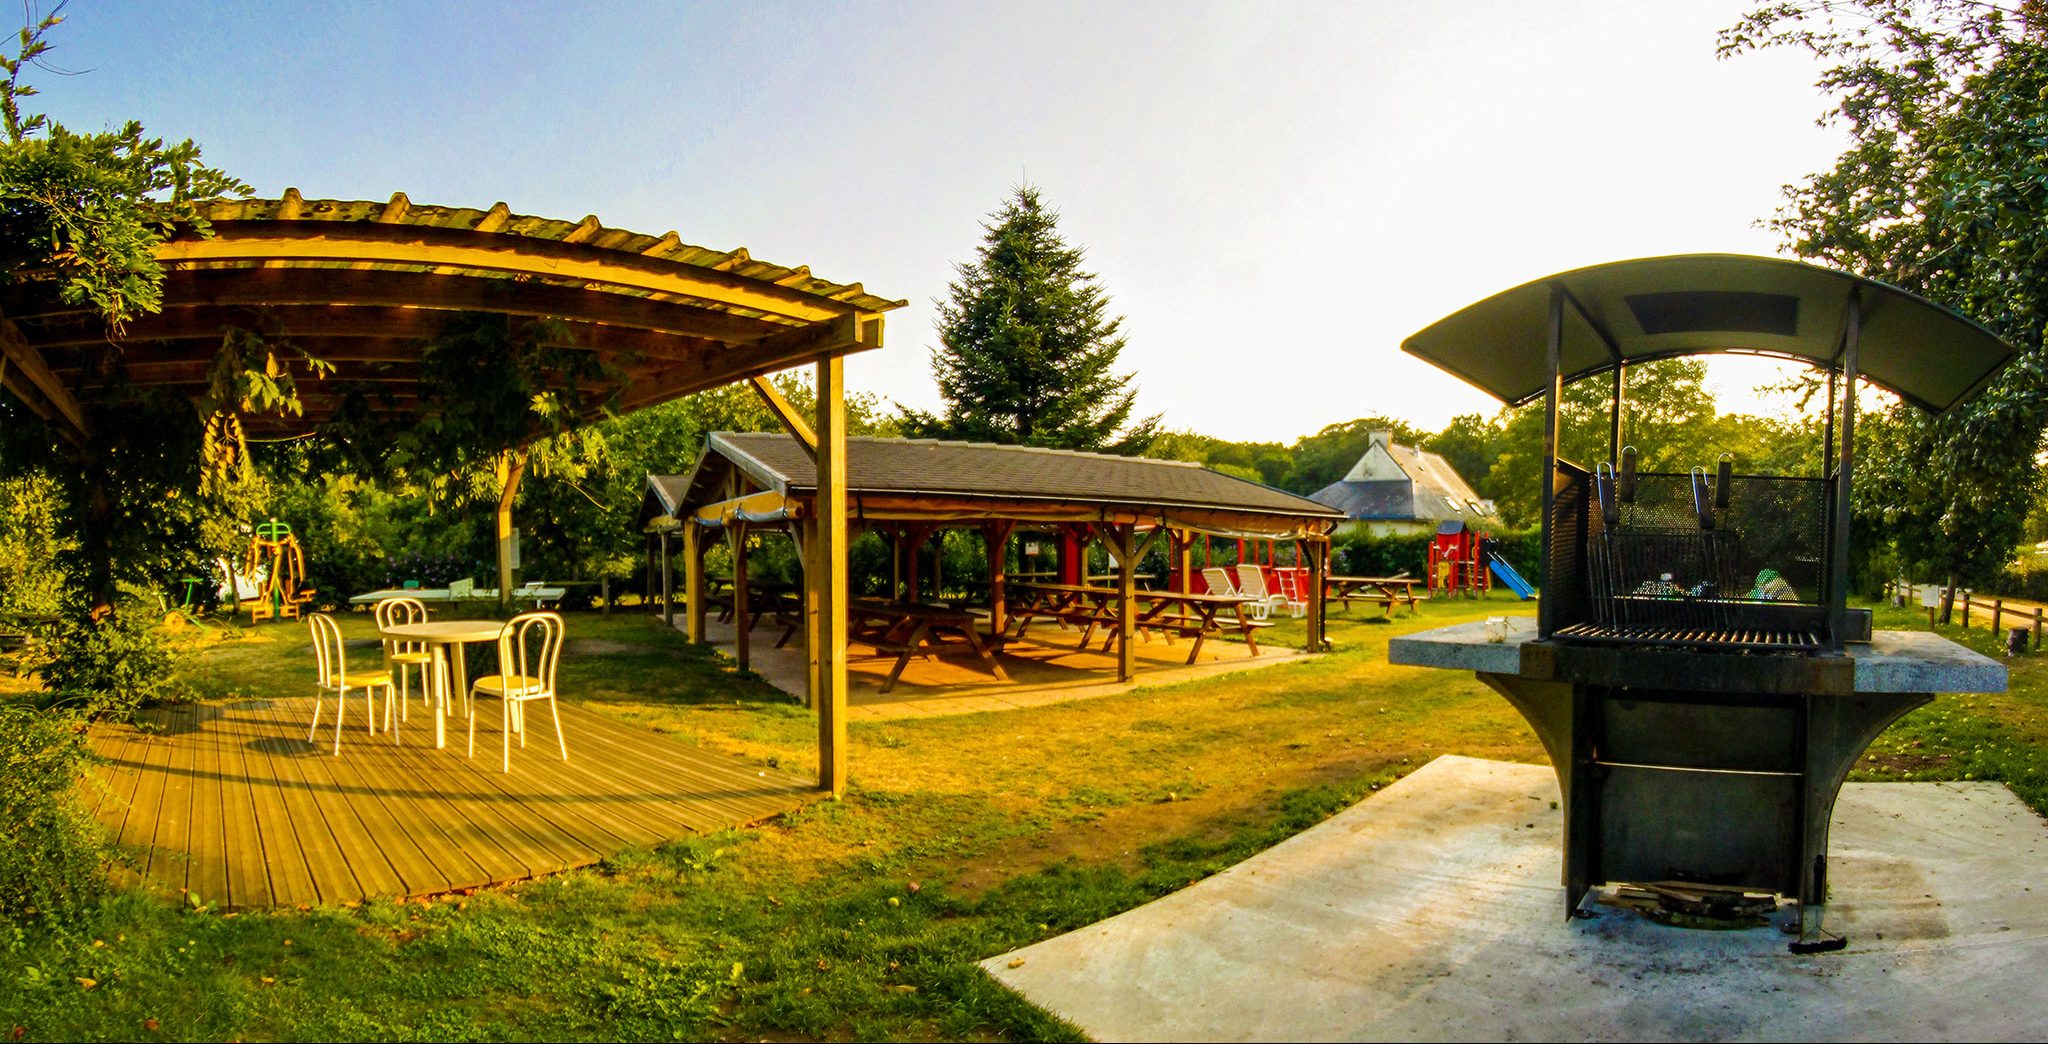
x=1941, y=191
x=1327, y=456
x=1027, y=345
x=88, y=210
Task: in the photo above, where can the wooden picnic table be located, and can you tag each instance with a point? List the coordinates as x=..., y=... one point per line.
x=915, y=629
x=765, y=599
x=1170, y=613
x=1385, y=591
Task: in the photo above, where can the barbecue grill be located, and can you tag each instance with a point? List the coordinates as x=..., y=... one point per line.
x=1695, y=672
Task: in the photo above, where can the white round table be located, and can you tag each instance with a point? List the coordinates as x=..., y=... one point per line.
x=444, y=639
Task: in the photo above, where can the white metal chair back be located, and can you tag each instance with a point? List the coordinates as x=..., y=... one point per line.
x=529, y=649
x=393, y=612
x=329, y=657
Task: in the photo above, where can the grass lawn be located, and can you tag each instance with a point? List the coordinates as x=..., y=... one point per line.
x=960, y=838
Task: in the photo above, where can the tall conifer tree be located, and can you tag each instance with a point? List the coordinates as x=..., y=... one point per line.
x=1027, y=345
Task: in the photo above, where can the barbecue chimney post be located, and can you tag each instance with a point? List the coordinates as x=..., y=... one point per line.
x=1546, y=615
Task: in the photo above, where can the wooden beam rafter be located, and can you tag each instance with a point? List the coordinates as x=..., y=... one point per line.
x=30, y=364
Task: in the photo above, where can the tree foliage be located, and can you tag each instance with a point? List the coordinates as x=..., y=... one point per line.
x=1941, y=191
x=1028, y=348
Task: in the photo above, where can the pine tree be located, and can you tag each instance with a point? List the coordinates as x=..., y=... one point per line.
x=1027, y=345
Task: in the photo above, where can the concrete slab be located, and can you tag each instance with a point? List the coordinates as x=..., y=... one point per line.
x=1045, y=668
x=1432, y=912
x=1892, y=661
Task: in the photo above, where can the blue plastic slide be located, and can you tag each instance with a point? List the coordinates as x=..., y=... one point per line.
x=1506, y=574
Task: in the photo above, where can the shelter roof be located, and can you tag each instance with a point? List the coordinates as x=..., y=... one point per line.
x=1692, y=304
x=365, y=285
x=919, y=478
x=663, y=499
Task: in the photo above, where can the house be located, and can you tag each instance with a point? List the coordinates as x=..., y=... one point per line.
x=1401, y=490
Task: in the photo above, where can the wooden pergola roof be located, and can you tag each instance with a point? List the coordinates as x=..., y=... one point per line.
x=759, y=474
x=364, y=285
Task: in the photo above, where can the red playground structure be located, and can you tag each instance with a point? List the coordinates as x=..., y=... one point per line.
x=1457, y=561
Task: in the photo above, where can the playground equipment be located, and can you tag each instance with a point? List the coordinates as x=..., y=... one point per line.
x=1509, y=575
x=277, y=565
x=1457, y=562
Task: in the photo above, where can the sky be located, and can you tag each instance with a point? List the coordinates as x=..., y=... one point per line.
x=1273, y=195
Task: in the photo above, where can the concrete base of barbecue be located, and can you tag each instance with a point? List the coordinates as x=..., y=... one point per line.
x=1429, y=912
x=1711, y=766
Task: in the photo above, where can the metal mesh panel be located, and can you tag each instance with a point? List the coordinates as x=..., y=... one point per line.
x=1564, y=568
x=1678, y=567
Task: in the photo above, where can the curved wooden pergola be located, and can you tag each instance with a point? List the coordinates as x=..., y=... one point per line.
x=365, y=286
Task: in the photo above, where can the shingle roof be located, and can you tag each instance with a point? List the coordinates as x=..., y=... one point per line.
x=1433, y=491
x=973, y=469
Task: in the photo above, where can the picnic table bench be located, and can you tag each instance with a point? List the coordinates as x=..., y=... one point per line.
x=1170, y=614
x=916, y=629
x=1384, y=591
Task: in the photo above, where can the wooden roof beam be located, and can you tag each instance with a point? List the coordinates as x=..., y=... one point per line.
x=29, y=362
x=374, y=243
x=281, y=287
x=790, y=416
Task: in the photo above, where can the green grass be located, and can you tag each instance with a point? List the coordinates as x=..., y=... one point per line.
x=961, y=838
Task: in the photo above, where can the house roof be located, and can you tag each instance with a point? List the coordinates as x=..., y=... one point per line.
x=1432, y=491
x=922, y=478
x=1694, y=304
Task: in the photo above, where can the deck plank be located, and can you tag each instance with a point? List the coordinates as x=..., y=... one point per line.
x=329, y=877
x=206, y=872
x=234, y=802
x=350, y=865
x=247, y=851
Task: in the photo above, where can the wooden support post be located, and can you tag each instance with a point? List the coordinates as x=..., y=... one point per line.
x=511, y=466
x=1966, y=610
x=1126, y=536
x=1998, y=616
x=997, y=535
x=742, y=624
x=693, y=578
x=2037, y=628
x=813, y=571
x=1318, y=569
x=938, y=565
x=831, y=544
x=1182, y=551
x=913, y=542
x=668, y=585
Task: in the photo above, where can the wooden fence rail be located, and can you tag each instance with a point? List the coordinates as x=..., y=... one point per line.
x=2027, y=615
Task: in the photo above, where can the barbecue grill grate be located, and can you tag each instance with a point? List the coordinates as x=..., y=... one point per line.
x=1680, y=560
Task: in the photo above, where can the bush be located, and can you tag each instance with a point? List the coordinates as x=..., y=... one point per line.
x=54, y=861
x=110, y=667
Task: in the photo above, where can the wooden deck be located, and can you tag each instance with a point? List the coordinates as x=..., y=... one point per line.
x=231, y=802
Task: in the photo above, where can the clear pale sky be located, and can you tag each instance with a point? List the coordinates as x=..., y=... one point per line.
x=1273, y=195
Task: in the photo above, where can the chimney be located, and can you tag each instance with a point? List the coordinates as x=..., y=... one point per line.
x=1382, y=438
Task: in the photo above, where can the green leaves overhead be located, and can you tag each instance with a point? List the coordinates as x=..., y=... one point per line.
x=1943, y=191
x=1028, y=347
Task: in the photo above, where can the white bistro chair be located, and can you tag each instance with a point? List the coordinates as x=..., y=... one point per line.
x=529, y=648
x=400, y=656
x=330, y=661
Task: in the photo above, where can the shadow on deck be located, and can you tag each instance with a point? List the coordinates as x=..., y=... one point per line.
x=230, y=802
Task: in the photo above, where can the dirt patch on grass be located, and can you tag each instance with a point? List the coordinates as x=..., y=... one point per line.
x=601, y=646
